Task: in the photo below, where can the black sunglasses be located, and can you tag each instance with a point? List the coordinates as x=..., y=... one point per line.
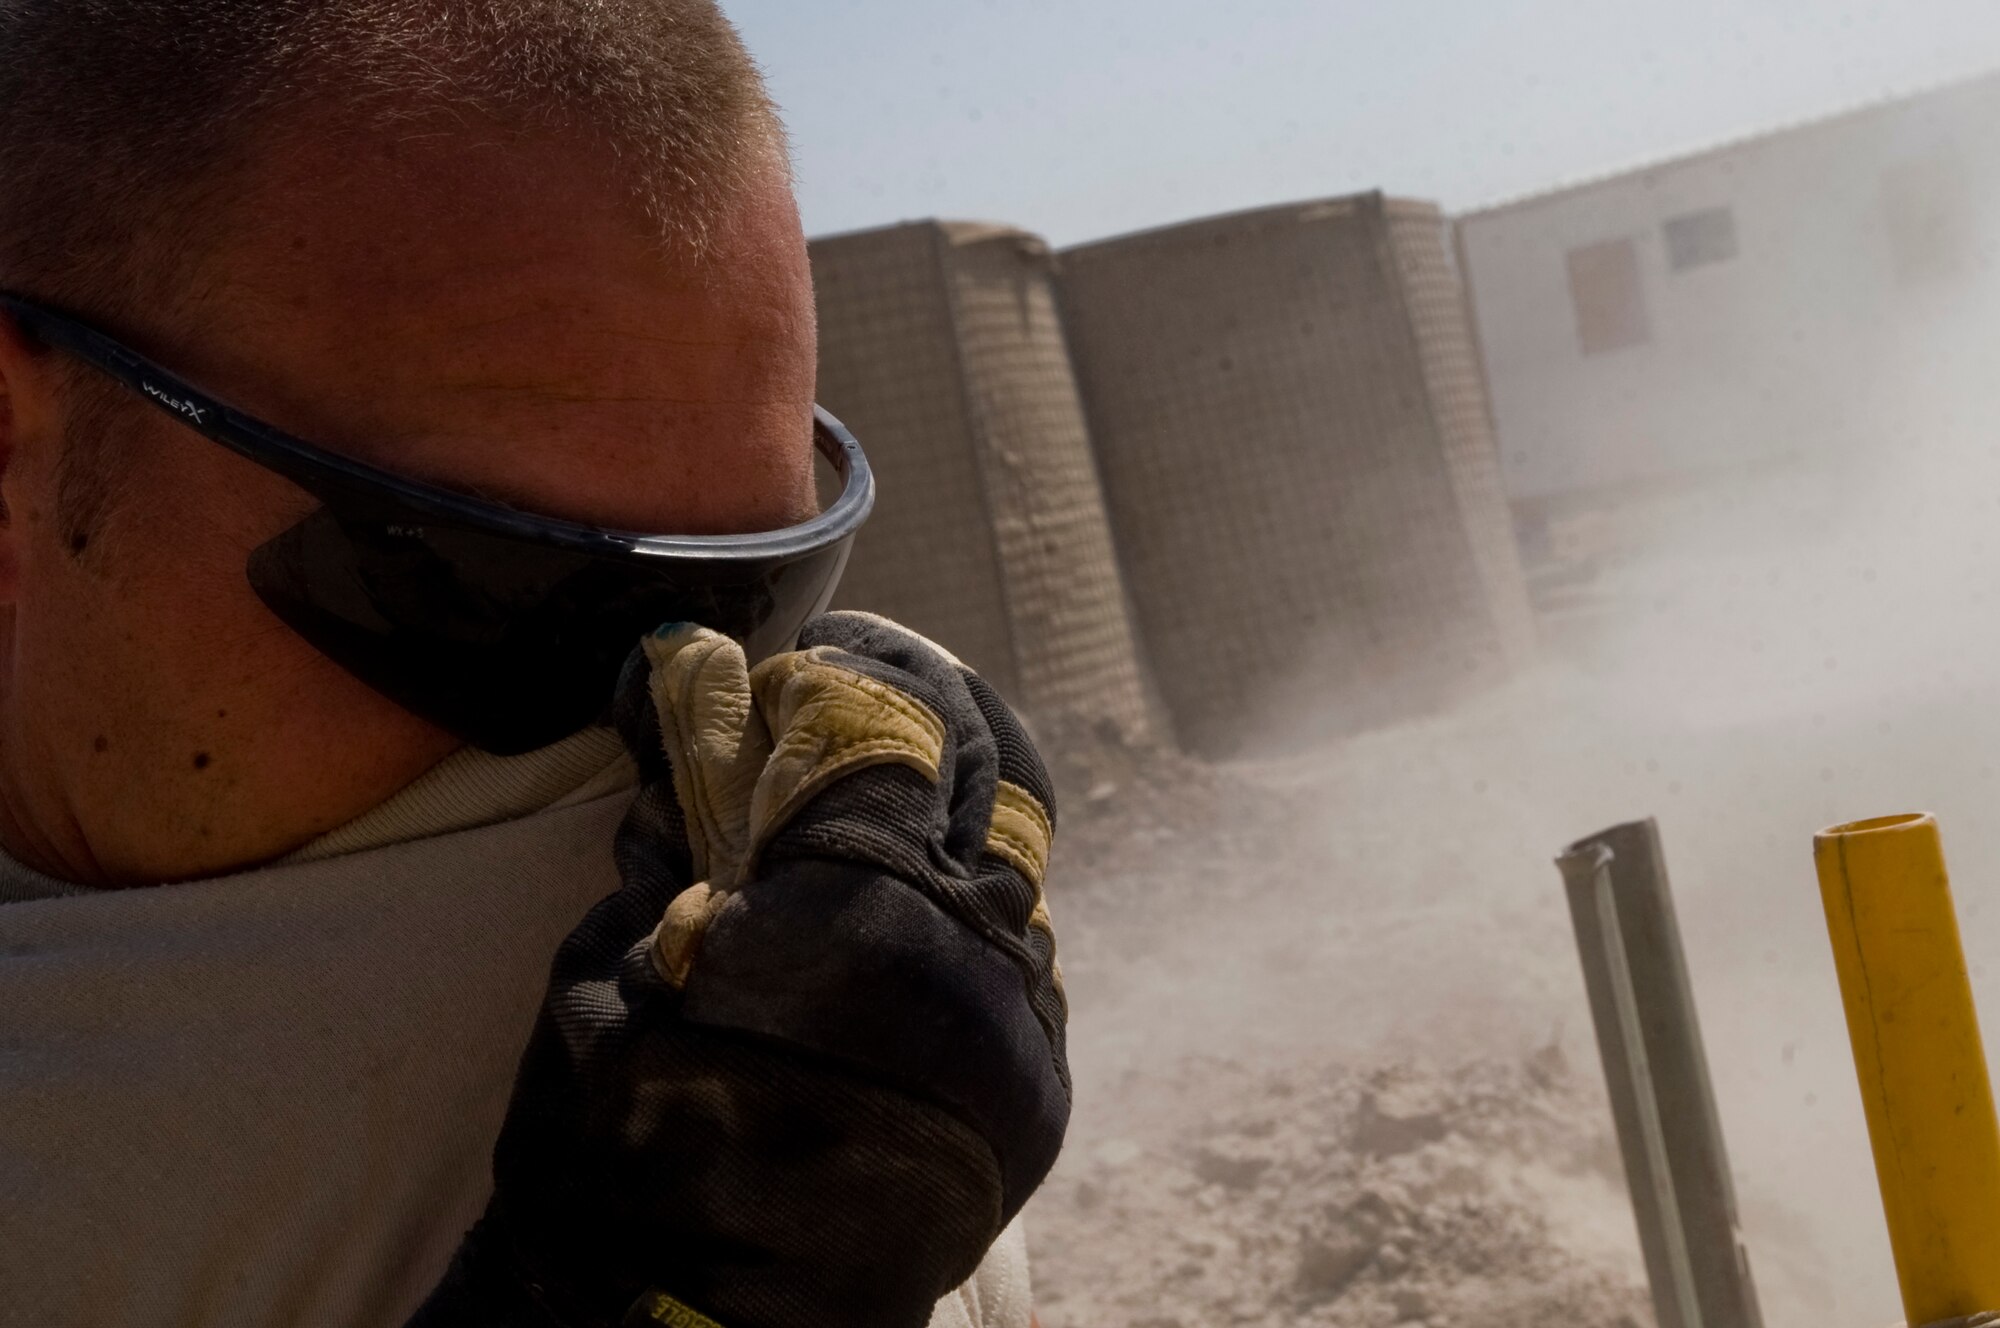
x=505, y=628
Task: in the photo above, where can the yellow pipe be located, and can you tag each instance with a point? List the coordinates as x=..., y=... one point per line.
x=1918, y=1056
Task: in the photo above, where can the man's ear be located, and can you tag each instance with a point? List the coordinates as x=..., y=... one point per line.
x=28, y=418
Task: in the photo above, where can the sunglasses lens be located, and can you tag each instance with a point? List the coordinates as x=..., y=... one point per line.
x=505, y=629
x=506, y=644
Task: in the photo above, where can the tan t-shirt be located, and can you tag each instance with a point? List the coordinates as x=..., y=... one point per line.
x=270, y=1098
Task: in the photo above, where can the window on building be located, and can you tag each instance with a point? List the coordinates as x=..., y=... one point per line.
x=1696, y=239
x=1610, y=299
x=1929, y=218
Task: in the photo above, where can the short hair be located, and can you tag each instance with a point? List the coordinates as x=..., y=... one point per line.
x=121, y=119
x=124, y=122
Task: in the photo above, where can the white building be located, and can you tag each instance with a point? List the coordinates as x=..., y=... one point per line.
x=1796, y=295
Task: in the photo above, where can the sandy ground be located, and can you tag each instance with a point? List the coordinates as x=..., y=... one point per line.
x=1292, y=1109
x=1261, y=956
x=1316, y=1194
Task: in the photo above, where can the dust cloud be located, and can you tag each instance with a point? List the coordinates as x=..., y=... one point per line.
x=1334, y=1063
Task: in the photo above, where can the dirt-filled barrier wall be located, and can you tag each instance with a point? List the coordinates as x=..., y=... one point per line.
x=1291, y=424
x=941, y=347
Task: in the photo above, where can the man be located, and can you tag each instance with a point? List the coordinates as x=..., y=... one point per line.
x=539, y=252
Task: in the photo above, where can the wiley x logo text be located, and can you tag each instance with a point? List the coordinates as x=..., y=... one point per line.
x=174, y=403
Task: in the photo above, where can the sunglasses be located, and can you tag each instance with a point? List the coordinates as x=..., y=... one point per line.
x=504, y=628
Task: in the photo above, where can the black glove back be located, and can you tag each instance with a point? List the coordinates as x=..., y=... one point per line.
x=859, y=1077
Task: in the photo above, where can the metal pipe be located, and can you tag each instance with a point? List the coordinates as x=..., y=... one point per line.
x=1657, y=1074
x=1918, y=1057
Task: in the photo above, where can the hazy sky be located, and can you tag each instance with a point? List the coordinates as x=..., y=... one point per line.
x=1092, y=117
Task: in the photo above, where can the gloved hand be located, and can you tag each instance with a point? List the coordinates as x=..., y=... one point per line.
x=819, y=1089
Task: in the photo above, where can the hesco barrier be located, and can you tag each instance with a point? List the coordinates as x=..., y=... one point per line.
x=941, y=347
x=1292, y=428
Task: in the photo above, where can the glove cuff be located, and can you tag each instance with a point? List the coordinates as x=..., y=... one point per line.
x=489, y=1286
x=657, y=1309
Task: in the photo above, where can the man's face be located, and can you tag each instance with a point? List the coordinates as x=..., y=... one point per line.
x=492, y=317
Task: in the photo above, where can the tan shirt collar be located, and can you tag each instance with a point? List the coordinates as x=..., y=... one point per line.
x=471, y=788
x=465, y=791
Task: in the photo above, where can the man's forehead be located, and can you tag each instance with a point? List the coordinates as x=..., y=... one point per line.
x=440, y=305
x=476, y=229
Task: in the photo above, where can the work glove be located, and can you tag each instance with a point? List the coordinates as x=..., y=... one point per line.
x=805, y=1066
